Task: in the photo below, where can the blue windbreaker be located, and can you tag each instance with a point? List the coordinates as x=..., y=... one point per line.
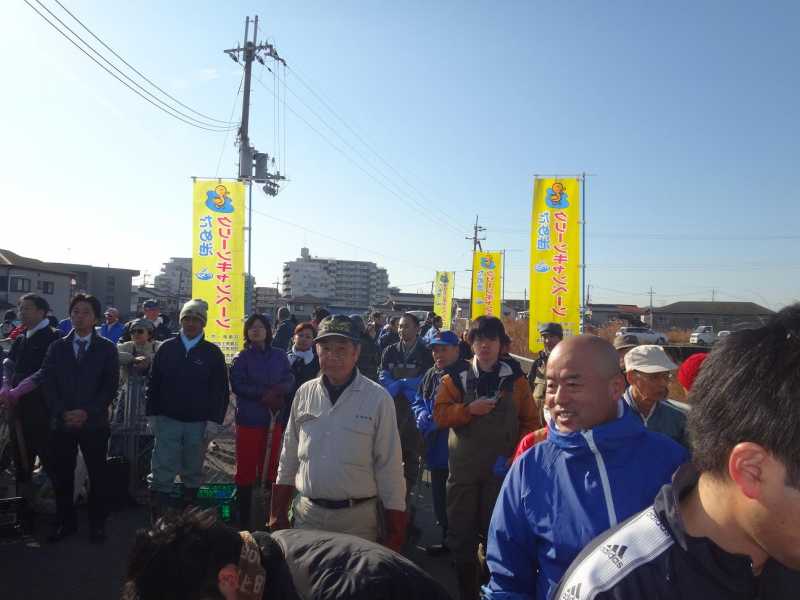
x=565, y=491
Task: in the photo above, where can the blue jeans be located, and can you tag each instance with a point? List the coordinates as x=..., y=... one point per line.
x=179, y=449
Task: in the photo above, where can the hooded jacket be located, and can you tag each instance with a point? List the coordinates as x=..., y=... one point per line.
x=334, y=566
x=253, y=371
x=651, y=556
x=567, y=490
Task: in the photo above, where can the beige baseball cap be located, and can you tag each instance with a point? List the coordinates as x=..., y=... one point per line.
x=648, y=358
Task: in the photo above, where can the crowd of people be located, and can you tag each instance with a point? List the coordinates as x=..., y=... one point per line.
x=579, y=479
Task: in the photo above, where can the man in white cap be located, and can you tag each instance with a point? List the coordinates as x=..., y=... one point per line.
x=648, y=370
x=187, y=387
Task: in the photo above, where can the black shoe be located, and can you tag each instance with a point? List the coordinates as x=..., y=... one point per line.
x=61, y=531
x=97, y=534
x=437, y=550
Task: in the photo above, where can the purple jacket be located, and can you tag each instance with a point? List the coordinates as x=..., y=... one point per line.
x=252, y=372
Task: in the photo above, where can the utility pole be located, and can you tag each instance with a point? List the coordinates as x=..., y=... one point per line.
x=251, y=51
x=476, y=241
x=713, y=294
x=476, y=244
x=651, y=306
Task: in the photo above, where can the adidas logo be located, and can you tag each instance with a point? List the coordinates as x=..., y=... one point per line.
x=573, y=593
x=615, y=552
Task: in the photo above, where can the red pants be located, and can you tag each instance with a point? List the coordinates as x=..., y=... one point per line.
x=251, y=451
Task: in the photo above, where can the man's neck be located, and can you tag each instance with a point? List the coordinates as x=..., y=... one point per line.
x=190, y=338
x=644, y=404
x=709, y=511
x=337, y=381
x=486, y=367
x=82, y=333
x=111, y=323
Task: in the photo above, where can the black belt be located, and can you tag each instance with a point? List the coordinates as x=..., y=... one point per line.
x=336, y=504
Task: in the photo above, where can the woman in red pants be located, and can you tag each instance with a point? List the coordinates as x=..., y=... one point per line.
x=260, y=378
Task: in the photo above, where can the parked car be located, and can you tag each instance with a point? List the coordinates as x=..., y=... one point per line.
x=645, y=335
x=702, y=336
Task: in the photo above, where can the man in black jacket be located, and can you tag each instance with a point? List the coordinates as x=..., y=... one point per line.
x=194, y=556
x=29, y=421
x=283, y=332
x=80, y=376
x=727, y=526
x=187, y=387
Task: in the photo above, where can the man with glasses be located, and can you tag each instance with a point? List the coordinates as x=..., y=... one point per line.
x=648, y=370
x=341, y=448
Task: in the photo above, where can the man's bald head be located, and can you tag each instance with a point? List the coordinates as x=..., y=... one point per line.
x=594, y=350
x=584, y=383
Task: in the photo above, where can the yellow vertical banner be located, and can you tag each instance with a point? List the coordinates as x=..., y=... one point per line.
x=555, y=257
x=487, y=284
x=218, y=259
x=443, y=296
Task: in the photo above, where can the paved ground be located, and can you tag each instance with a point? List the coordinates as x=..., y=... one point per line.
x=32, y=569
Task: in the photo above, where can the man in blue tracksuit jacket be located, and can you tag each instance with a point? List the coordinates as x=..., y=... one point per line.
x=598, y=466
x=445, y=350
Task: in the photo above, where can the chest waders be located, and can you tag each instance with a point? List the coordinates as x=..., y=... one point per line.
x=472, y=487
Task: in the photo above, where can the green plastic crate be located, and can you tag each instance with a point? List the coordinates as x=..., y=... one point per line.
x=221, y=496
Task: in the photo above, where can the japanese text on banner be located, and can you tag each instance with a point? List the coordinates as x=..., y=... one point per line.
x=487, y=284
x=218, y=260
x=555, y=257
x=443, y=296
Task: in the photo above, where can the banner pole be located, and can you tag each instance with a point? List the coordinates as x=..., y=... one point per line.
x=248, y=292
x=503, y=283
x=583, y=251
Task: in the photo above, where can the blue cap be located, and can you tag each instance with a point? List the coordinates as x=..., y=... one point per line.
x=445, y=338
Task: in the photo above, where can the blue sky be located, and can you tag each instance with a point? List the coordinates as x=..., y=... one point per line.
x=684, y=114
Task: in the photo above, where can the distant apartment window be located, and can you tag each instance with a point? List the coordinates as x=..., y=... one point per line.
x=3, y=283
x=46, y=287
x=110, y=282
x=110, y=300
x=20, y=284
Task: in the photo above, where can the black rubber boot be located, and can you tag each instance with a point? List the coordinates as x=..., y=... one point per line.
x=245, y=495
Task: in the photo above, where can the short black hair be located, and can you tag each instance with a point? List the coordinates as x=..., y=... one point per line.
x=411, y=317
x=394, y=320
x=39, y=302
x=749, y=391
x=320, y=313
x=89, y=299
x=249, y=323
x=180, y=557
x=488, y=327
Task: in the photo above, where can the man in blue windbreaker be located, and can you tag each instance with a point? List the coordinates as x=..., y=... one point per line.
x=598, y=466
x=445, y=350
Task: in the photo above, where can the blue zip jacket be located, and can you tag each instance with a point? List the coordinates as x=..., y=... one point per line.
x=564, y=492
x=436, y=453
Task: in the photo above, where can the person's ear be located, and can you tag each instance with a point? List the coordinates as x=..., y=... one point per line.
x=616, y=386
x=228, y=581
x=630, y=376
x=747, y=467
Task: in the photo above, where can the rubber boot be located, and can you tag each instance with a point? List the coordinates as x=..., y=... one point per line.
x=189, y=497
x=245, y=495
x=467, y=573
x=159, y=503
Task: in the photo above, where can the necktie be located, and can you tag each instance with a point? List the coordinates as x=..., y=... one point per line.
x=81, y=350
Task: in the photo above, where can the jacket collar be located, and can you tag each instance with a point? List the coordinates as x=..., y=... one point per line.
x=505, y=369
x=611, y=435
x=731, y=571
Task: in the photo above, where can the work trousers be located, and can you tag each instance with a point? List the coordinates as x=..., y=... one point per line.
x=251, y=450
x=32, y=419
x=469, y=510
x=360, y=520
x=439, y=493
x=64, y=447
x=179, y=449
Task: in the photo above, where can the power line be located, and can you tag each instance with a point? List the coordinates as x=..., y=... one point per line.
x=168, y=110
x=135, y=70
x=356, y=134
x=425, y=213
x=233, y=109
x=443, y=220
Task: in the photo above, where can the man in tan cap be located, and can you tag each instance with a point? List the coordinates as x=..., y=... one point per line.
x=187, y=387
x=648, y=370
